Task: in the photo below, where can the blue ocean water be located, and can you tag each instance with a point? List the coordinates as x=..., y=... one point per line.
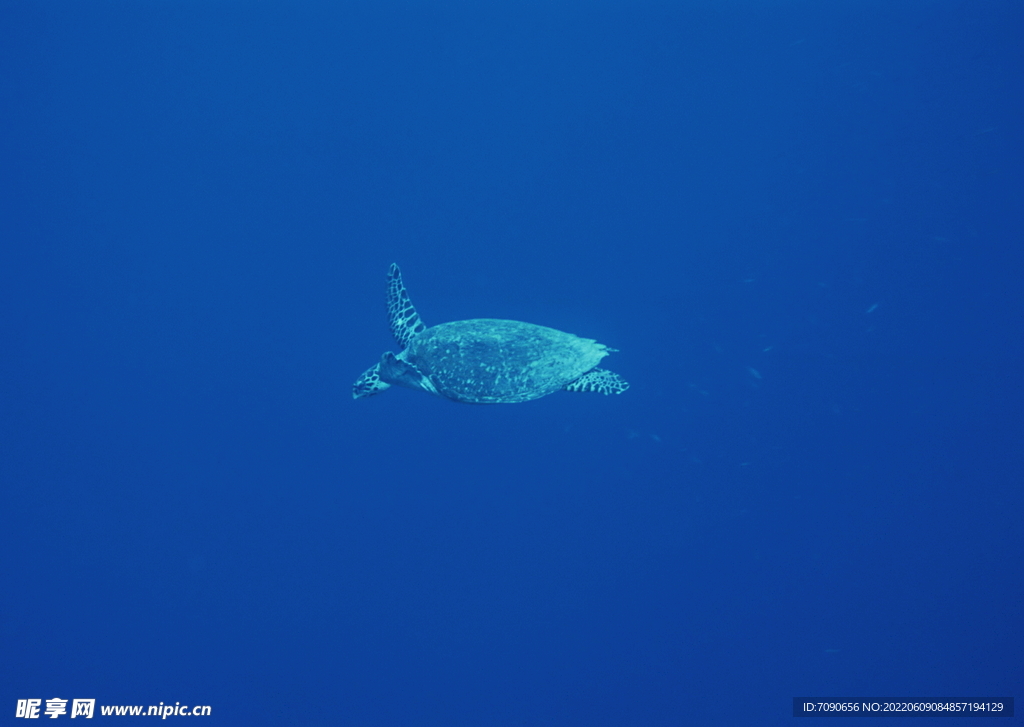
x=800, y=223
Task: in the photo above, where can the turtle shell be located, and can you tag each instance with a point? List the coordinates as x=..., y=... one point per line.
x=488, y=361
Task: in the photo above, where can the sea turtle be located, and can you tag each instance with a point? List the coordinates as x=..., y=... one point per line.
x=483, y=361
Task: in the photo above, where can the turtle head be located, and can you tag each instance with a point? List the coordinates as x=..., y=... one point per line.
x=369, y=383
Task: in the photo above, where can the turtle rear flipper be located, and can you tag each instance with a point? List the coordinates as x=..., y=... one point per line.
x=599, y=380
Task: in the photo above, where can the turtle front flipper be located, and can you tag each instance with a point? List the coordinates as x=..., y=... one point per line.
x=395, y=370
x=369, y=383
x=402, y=316
x=599, y=380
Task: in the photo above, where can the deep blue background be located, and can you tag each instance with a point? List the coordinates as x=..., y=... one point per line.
x=802, y=494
